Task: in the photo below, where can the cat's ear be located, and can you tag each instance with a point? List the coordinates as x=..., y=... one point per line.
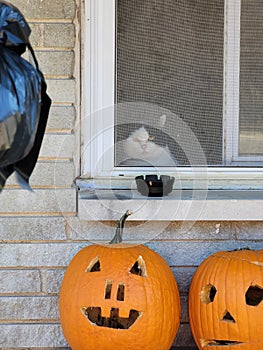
x=162, y=121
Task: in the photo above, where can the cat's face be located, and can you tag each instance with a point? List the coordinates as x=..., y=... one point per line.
x=140, y=144
x=146, y=146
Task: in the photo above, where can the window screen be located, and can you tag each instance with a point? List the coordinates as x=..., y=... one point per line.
x=169, y=82
x=251, y=79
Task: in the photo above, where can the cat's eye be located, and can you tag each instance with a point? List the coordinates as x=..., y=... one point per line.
x=151, y=138
x=135, y=139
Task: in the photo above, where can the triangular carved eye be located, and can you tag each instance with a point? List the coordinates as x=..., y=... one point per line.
x=94, y=265
x=139, y=267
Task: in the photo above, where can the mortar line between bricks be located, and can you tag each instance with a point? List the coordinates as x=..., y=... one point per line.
x=62, y=348
x=53, y=49
x=35, y=214
x=55, y=159
x=29, y=295
x=59, y=77
x=33, y=268
x=40, y=187
x=44, y=242
x=59, y=131
x=62, y=104
x=29, y=322
x=50, y=20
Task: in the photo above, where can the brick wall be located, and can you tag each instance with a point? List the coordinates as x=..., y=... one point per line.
x=40, y=231
x=33, y=225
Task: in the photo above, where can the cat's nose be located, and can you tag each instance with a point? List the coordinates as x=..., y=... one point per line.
x=144, y=146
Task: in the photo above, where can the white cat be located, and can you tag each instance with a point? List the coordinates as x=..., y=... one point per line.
x=141, y=149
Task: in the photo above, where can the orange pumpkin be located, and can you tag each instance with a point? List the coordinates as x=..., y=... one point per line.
x=119, y=296
x=226, y=301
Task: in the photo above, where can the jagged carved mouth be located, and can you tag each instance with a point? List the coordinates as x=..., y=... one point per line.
x=215, y=342
x=93, y=314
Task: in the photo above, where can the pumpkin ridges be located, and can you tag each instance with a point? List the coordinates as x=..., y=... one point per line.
x=233, y=283
x=199, y=283
x=88, y=254
x=169, y=321
x=250, y=256
x=152, y=288
x=246, y=266
x=206, y=321
x=258, y=281
x=239, y=269
x=221, y=304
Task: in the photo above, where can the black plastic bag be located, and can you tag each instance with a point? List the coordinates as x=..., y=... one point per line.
x=14, y=30
x=20, y=102
x=24, y=104
x=25, y=166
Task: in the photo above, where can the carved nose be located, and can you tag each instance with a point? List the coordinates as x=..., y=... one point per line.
x=228, y=317
x=120, y=291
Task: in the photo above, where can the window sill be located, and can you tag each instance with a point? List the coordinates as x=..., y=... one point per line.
x=104, y=204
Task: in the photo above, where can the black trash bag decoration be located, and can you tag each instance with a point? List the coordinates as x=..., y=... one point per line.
x=14, y=30
x=24, y=103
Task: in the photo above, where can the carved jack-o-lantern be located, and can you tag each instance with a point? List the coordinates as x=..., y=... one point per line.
x=226, y=301
x=119, y=296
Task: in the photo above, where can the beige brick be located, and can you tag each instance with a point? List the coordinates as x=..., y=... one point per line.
x=46, y=9
x=62, y=90
x=47, y=201
x=249, y=230
x=171, y=231
x=58, y=146
x=192, y=253
x=92, y=230
x=61, y=117
x=105, y=230
x=36, y=35
x=58, y=174
x=56, y=62
x=52, y=35
x=60, y=254
x=59, y=35
x=33, y=228
x=53, y=280
x=198, y=230
x=38, y=254
x=20, y=281
x=29, y=308
x=31, y=335
x=47, y=174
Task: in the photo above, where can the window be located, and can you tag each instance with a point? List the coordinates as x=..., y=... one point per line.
x=189, y=72
x=250, y=142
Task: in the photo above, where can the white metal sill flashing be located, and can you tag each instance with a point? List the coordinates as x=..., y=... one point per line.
x=224, y=198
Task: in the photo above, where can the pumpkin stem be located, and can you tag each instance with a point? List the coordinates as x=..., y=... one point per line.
x=119, y=230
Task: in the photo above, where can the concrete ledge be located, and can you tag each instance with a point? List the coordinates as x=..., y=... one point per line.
x=185, y=205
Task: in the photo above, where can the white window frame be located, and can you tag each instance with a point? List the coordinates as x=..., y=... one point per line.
x=231, y=86
x=97, y=124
